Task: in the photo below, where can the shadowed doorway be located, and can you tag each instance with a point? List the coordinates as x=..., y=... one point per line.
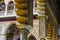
x=32, y=38
x=12, y=33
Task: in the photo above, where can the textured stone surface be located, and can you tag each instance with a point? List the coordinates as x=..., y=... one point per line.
x=42, y=27
x=35, y=30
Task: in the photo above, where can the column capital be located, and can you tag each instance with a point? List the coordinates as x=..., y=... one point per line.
x=20, y=26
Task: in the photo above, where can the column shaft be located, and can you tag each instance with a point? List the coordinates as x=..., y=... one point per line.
x=21, y=36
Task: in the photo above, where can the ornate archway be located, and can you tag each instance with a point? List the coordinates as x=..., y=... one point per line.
x=12, y=33
x=5, y=26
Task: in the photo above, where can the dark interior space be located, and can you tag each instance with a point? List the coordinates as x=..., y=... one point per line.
x=55, y=5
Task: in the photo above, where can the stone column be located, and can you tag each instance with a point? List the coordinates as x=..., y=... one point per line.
x=21, y=31
x=21, y=35
x=41, y=16
x=42, y=26
x=54, y=33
